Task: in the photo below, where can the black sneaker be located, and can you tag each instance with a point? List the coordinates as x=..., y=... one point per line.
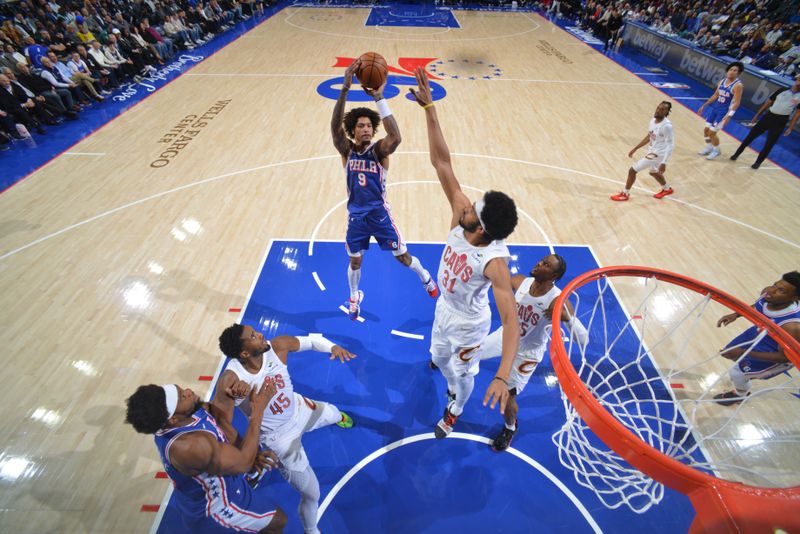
x=729, y=398
x=504, y=438
x=445, y=424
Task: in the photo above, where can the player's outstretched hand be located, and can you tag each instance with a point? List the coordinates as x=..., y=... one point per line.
x=497, y=391
x=342, y=354
x=260, y=397
x=725, y=320
x=349, y=71
x=423, y=92
x=238, y=390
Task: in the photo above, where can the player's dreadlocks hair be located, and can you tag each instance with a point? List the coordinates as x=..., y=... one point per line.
x=499, y=215
x=669, y=104
x=794, y=279
x=562, y=266
x=230, y=341
x=352, y=116
x=147, y=409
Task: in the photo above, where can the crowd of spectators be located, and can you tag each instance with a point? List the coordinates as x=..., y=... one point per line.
x=59, y=56
x=763, y=33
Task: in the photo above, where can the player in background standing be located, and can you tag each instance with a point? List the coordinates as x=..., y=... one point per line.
x=289, y=415
x=535, y=295
x=366, y=163
x=722, y=105
x=662, y=143
x=474, y=258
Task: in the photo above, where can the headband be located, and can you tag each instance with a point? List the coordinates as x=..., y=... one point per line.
x=171, y=392
x=478, y=209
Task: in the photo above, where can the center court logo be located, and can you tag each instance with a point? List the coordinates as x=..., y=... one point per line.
x=400, y=77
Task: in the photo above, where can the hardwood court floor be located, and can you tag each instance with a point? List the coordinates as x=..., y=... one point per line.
x=114, y=273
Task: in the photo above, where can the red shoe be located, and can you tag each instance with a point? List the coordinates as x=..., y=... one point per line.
x=664, y=192
x=620, y=197
x=445, y=424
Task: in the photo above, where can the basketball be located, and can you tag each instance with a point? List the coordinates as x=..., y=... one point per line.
x=373, y=70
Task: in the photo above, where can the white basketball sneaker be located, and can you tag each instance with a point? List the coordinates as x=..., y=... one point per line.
x=714, y=153
x=705, y=152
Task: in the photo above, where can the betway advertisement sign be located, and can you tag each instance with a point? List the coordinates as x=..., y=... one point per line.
x=704, y=68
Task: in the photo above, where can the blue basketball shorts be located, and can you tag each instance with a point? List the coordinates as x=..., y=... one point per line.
x=377, y=223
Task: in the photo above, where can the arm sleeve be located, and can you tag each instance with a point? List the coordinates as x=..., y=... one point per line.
x=315, y=342
x=578, y=332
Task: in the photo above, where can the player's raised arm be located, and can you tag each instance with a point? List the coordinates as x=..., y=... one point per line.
x=391, y=141
x=340, y=140
x=497, y=271
x=283, y=345
x=439, y=152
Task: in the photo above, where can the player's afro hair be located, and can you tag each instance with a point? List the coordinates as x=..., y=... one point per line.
x=794, y=279
x=352, y=116
x=499, y=214
x=230, y=341
x=147, y=409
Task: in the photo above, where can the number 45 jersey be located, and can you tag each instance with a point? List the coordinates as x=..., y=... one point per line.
x=282, y=406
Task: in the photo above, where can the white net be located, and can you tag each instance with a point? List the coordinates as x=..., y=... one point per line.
x=657, y=370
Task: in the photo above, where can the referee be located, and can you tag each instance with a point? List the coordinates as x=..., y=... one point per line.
x=781, y=104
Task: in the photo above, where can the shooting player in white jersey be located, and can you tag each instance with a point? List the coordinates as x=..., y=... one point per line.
x=662, y=143
x=289, y=415
x=475, y=257
x=535, y=296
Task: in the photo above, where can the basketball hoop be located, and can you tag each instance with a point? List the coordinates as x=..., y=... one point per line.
x=640, y=412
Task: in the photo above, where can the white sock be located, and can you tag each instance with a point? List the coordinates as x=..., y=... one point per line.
x=306, y=483
x=665, y=187
x=464, y=385
x=626, y=191
x=417, y=267
x=511, y=427
x=740, y=381
x=353, y=278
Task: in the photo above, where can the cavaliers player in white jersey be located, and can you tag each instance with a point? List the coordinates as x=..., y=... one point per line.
x=662, y=142
x=366, y=164
x=535, y=296
x=289, y=415
x=474, y=258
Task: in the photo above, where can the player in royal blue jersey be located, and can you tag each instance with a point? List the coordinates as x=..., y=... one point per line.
x=366, y=163
x=781, y=303
x=211, y=492
x=721, y=107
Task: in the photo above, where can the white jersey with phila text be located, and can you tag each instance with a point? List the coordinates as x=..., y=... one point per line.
x=662, y=139
x=462, y=283
x=280, y=409
x=533, y=324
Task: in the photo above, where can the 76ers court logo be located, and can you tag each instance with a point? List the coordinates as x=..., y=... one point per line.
x=399, y=78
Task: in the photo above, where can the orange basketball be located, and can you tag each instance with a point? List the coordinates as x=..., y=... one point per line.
x=373, y=70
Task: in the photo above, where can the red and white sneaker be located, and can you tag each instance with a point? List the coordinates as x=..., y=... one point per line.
x=445, y=424
x=664, y=192
x=431, y=288
x=622, y=196
x=354, y=306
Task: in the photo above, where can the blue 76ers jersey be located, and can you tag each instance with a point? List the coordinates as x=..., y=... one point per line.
x=725, y=93
x=366, y=181
x=202, y=495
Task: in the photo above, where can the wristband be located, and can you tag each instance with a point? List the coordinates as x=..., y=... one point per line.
x=426, y=106
x=315, y=342
x=503, y=380
x=383, y=108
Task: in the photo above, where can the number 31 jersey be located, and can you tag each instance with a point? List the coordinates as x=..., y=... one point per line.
x=281, y=408
x=462, y=283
